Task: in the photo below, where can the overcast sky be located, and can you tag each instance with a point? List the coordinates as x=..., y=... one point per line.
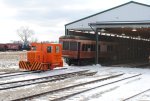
x=47, y=17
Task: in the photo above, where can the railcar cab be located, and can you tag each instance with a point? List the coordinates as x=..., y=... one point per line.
x=47, y=52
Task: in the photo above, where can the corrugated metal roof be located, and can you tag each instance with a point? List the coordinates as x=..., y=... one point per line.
x=130, y=13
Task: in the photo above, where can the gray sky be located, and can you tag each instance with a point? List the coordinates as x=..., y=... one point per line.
x=47, y=17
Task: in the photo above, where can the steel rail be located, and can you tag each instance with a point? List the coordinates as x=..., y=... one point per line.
x=22, y=73
x=136, y=95
x=88, y=89
x=15, y=84
x=12, y=72
x=18, y=73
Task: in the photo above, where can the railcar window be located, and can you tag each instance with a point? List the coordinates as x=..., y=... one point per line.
x=88, y=47
x=49, y=49
x=73, y=46
x=93, y=48
x=83, y=47
x=57, y=49
x=65, y=45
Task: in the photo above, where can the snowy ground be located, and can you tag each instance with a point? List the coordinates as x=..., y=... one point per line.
x=114, y=92
x=9, y=60
x=121, y=90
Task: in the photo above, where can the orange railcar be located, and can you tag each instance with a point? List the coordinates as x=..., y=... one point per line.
x=43, y=56
x=80, y=50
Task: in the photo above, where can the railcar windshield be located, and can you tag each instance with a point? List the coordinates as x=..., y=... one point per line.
x=49, y=49
x=57, y=49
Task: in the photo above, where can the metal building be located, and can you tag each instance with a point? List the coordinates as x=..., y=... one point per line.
x=130, y=21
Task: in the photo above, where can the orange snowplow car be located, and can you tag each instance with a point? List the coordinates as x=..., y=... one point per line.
x=43, y=56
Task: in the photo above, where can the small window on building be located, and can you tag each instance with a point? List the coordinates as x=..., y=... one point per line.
x=49, y=49
x=57, y=49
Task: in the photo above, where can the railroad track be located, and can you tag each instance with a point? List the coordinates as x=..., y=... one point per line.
x=67, y=88
x=21, y=83
x=135, y=95
x=71, y=90
x=3, y=75
x=18, y=73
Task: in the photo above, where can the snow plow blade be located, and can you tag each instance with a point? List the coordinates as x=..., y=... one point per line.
x=33, y=66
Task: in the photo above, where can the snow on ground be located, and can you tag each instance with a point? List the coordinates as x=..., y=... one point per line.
x=121, y=90
x=114, y=92
x=9, y=60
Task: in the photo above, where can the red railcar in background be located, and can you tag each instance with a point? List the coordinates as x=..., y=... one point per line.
x=81, y=50
x=10, y=46
x=13, y=46
x=3, y=47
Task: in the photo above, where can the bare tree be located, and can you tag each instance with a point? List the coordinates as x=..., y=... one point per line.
x=25, y=34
